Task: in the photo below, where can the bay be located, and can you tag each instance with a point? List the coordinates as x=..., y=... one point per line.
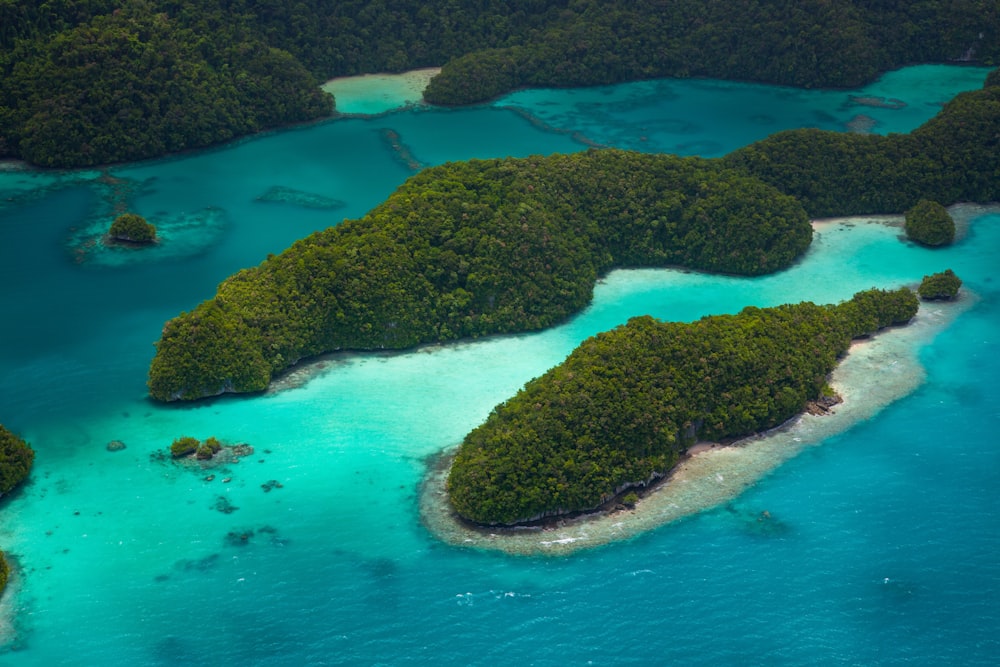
x=890, y=532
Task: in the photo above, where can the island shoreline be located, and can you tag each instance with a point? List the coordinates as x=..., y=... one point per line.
x=874, y=373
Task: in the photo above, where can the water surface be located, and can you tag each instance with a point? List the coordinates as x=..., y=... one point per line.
x=887, y=551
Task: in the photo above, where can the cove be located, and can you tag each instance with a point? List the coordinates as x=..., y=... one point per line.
x=889, y=527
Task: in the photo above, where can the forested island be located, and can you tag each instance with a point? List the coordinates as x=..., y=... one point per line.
x=88, y=82
x=476, y=248
x=16, y=458
x=500, y=246
x=625, y=405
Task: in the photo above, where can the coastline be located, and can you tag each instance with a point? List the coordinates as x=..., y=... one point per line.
x=875, y=373
x=962, y=213
x=374, y=94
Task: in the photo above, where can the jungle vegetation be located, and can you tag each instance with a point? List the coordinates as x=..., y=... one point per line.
x=87, y=82
x=475, y=248
x=16, y=457
x=929, y=223
x=938, y=286
x=626, y=403
x=202, y=449
x=4, y=572
x=132, y=228
x=500, y=246
x=955, y=156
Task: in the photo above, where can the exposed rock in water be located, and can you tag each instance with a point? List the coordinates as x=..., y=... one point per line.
x=823, y=405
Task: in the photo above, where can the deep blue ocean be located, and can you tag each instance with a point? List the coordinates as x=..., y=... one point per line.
x=314, y=553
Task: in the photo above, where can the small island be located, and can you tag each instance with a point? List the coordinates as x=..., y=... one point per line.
x=131, y=229
x=930, y=224
x=186, y=446
x=942, y=286
x=619, y=412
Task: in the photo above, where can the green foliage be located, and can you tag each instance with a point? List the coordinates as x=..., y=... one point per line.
x=85, y=82
x=4, y=572
x=471, y=249
x=953, y=157
x=929, y=223
x=16, y=457
x=184, y=446
x=621, y=409
x=139, y=83
x=944, y=285
x=812, y=43
x=208, y=449
x=132, y=227
x=500, y=246
x=202, y=450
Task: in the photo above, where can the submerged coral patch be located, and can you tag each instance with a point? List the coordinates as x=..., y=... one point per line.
x=280, y=194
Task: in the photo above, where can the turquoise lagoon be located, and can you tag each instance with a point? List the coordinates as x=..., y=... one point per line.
x=884, y=540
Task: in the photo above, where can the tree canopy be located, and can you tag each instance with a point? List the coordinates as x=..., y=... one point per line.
x=85, y=82
x=944, y=285
x=501, y=246
x=626, y=403
x=475, y=248
x=132, y=227
x=929, y=223
x=16, y=457
x=955, y=156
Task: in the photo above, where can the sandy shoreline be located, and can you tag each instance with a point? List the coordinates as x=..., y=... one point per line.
x=962, y=214
x=373, y=94
x=875, y=373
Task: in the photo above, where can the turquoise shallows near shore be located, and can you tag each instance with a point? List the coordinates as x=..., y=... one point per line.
x=882, y=548
x=373, y=94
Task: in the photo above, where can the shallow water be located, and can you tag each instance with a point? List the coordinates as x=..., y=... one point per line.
x=884, y=538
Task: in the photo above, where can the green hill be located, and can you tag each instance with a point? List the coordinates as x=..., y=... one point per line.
x=621, y=409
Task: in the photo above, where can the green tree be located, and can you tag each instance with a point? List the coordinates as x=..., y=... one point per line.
x=620, y=410
x=929, y=223
x=16, y=458
x=133, y=228
x=944, y=285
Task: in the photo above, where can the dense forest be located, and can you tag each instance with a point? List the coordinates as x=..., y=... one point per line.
x=953, y=157
x=16, y=458
x=475, y=248
x=86, y=82
x=621, y=409
x=500, y=246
